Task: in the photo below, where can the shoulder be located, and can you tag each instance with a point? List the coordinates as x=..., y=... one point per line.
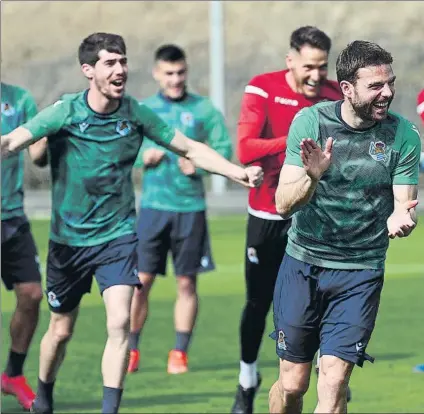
x=262, y=84
x=420, y=97
x=15, y=93
x=406, y=130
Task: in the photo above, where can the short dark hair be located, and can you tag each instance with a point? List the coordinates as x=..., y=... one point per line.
x=170, y=53
x=360, y=54
x=90, y=47
x=312, y=36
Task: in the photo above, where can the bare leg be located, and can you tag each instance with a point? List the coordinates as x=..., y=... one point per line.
x=286, y=395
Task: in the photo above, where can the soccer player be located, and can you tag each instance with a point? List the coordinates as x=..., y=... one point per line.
x=20, y=263
x=420, y=110
x=94, y=137
x=270, y=102
x=172, y=207
x=349, y=182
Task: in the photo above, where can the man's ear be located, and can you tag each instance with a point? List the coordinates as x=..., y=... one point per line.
x=87, y=70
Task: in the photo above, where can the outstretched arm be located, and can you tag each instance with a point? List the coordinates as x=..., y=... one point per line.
x=15, y=141
x=208, y=159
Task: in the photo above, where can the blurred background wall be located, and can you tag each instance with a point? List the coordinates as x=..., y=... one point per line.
x=39, y=41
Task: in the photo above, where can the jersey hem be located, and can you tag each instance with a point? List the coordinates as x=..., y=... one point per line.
x=171, y=209
x=331, y=264
x=98, y=241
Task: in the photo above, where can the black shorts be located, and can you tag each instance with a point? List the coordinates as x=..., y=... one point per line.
x=332, y=310
x=70, y=270
x=185, y=235
x=266, y=243
x=19, y=257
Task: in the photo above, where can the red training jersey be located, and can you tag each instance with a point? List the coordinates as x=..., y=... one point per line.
x=267, y=110
x=420, y=105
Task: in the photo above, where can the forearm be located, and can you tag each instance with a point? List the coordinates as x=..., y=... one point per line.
x=16, y=141
x=253, y=149
x=292, y=196
x=38, y=153
x=211, y=161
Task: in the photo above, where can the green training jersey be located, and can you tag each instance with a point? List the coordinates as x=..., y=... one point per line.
x=17, y=107
x=164, y=186
x=344, y=224
x=91, y=157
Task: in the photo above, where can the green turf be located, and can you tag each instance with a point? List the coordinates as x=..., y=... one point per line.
x=387, y=386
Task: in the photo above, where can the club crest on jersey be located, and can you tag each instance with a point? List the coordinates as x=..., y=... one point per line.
x=7, y=109
x=378, y=151
x=123, y=128
x=187, y=119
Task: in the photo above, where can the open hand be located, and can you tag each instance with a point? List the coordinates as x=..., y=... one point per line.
x=315, y=161
x=186, y=166
x=400, y=223
x=152, y=157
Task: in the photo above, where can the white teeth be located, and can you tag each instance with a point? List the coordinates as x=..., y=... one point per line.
x=313, y=84
x=381, y=104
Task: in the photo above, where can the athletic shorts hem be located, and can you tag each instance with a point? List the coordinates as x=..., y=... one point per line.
x=354, y=359
x=294, y=359
x=138, y=285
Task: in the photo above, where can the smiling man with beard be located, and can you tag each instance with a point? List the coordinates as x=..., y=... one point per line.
x=94, y=137
x=270, y=102
x=349, y=182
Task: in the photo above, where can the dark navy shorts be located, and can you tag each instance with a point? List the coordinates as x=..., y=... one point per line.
x=327, y=309
x=19, y=256
x=70, y=270
x=185, y=235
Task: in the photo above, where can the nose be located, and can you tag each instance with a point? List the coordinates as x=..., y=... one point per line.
x=315, y=75
x=387, y=91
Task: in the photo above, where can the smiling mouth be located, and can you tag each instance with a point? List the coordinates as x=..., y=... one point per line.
x=381, y=105
x=118, y=83
x=312, y=84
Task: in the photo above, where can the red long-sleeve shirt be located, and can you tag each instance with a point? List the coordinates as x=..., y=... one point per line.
x=420, y=105
x=267, y=110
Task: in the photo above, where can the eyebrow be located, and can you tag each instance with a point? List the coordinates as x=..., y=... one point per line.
x=122, y=59
x=391, y=80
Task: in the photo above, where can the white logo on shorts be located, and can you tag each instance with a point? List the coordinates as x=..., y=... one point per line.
x=252, y=255
x=359, y=347
x=52, y=299
x=204, y=261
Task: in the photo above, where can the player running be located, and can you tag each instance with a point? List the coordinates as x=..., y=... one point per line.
x=94, y=137
x=173, y=206
x=19, y=263
x=350, y=183
x=270, y=103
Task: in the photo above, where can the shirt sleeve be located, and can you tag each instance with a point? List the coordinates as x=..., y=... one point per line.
x=420, y=105
x=251, y=146
x=304, y=125
x=48, y=121
x=407, y=169
x=154, y=127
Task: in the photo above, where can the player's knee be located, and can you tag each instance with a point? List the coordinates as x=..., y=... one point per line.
x=29, y=296
x=186, y=286
x=61, y=330
x=294, y=378
x=118, y=325
x=334, y=373
x=294, y=384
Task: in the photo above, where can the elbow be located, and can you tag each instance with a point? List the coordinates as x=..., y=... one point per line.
x=41, y=162
x=282, y=207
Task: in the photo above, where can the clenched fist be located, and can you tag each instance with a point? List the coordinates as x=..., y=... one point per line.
x=152, y=157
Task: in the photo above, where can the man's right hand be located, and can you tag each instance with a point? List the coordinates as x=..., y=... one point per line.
x=315, y=161
x=152, y=157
